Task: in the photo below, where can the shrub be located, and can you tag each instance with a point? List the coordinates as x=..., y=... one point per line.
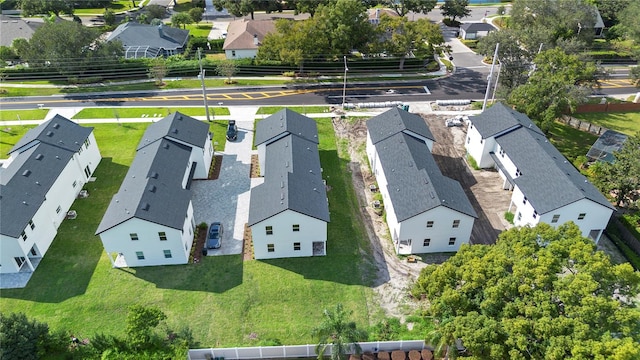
x=289, y=73
x=509, y=217
x=472, y=162
x=471, y=44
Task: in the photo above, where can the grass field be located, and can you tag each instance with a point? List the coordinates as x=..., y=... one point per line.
x=571, y=142
x=135, y=112
x=223, y=300
x=268, y=110
x=199, y=30
x=35, y=114
x=624, y=122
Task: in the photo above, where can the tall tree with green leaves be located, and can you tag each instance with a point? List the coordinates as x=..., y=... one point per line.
x=237, y=8
x=402, y=36
x=181, y=20
x=45, y=7
x=307, y=6
x=559, y=83
x=346, y=25
x=22, y=338
x=455, y=9
x=622, y=176
x=339, y=332
x=403, y=7
x=140, y=324
x=515, y=61
x=538, y=293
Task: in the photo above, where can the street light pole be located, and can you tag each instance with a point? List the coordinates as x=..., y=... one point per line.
x=344, y=86
x=493, y=65
x=204, y=89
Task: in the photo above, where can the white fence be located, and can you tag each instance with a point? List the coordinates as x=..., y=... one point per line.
x=296, y=351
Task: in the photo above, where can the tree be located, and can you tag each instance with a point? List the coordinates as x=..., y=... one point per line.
x=196, y=14
x=338, y=331
x=622, y=176
x=181, y=19
x=37, y=7
x=515, y=61
x=635, y=75
x=227, y=68
x=538, y=293
x=109, y=17
x=307, y=6
x=158, y=70
x=22, y=338
x=402, y=8
x=610, y=10
x=629, y=21
x=403, y=36
x=155, y=11
x=140, y=323
x=237, y=8
x=455, y=9
x=7, y=54
x=346, y=25
x=559, y=83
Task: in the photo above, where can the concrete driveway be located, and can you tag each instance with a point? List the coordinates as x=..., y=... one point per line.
x=226, y=199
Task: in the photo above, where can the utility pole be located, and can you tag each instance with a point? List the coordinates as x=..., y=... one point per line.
x=493, y=65
x=344, y=86
x=204, y=89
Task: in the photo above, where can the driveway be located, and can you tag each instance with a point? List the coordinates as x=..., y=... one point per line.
x=226, y=199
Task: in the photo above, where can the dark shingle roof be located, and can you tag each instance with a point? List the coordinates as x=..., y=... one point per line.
x=39, y=158
x=548, y=179
x=16, y=28
x=133, y=34
x=475, y=27
x=415, y=183
x=394, y=121
x=286, y=122
x=293, y=181
x=500, y=118
x=176, y=126
x=152, y=189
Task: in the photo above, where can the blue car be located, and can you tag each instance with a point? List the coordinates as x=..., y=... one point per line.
x=232, y=131
x=214, y=240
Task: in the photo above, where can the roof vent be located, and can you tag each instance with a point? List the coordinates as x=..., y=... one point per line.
x=24, y=202
x=37, y=182
x=56, y=126
x=49, y=133
x=281, y=184
x=410, y=164
x=175, y=131
x=39, y=157
x=152, y=188
x=281, y=196
x=145, y=206
x=57, y=157
x=166, y=145
x=286, y=163
x=433, y=196
x=154, y=174
x=180, y=117
x=426, y=180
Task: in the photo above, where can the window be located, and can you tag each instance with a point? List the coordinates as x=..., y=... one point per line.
x=32, y=225
x=519, y=216
x=133, y=236
x=481, y=141
x=535, y=214
x=167, y=254
x=24, y=236
x=86, y=144
x=452, y=241
x=468, y=139
x=233, y=53
x=429, y=224
x=456, y=223
x=271, y=248
x=426, y=242
x=74, y=183
x=524, y=201
x=162, y=235
x=19, y=260
x=581, y=216
x=87, y=171
x=296, y=246
x=296, y=227
x=269, y=230
x=555, y=218
x=140, y=255
x=58, y=209
x=502, y=152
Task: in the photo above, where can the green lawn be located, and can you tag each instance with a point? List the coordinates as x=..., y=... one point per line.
x=571, y=142
x=624, y=122
x=222, y=299
x=199, y=30
x=135, y=112
x=35, y=114
x=268, y=110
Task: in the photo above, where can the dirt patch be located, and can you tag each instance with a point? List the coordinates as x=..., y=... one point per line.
x=214, y=171
x=247, y=244
x=254, y=171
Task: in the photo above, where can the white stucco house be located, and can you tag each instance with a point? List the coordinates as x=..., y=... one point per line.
x=546, y=186
x=244, y=37
x=39, y=182
x=150, y=219
x=426, y=211
x=289, y=211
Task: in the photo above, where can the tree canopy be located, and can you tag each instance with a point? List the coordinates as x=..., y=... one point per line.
x=538, y=293
x=622, y=176
x=402, y=8
x=455, y=9
x=337, y=330
x=43, y=7
x=402, y=37
x=346, y=25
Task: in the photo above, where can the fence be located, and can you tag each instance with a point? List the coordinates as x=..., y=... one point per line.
x=620, y=107
x=582, y=125
x=297, y=351
x=626, y=236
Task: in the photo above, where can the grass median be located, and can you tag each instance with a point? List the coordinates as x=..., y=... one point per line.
x=135, y=112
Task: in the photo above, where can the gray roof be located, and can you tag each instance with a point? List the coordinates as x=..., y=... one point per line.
x=152, y=189
x=39, y=158
x=176, y=126
x=477, y=26
x=500, y=118
x=133, y=34
x=394, y=121
x=293, y=181
x=548, y=179
x=285, y=122
x=16, y=28
x=414, y=181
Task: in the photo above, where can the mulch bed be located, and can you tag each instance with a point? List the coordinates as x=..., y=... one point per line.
x=247, y=244
x=255, y=167
x=214, y=171
x=201, y=237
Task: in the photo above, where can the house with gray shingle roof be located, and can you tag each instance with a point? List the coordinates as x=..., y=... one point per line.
x=149, y=41
x=289, y=211
x=244, y=37
x=17, y=28
x=475, y=30
x=39, y=182
x=425, y=210
x=546, y=186
x=150, y=219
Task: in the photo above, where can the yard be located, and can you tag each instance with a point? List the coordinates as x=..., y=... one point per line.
x=624, y=122
x=224, y=300
x=571, y=142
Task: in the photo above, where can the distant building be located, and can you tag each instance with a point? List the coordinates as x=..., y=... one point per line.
x=149, y=41
x=607, y=144
x=13, y=28
x=546, y=186
x=475, y=31
x=289, y=212
x=44, y=174
x=150, y=219
x=244, y=37
x=374, y=15
x=425, y=210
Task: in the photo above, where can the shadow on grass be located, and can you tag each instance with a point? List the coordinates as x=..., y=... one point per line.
x=70, y=262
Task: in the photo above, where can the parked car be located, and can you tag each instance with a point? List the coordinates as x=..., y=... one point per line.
x=214, y=240
x=232, y=130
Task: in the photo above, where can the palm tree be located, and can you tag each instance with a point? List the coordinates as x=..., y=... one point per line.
x=443, y=341
x=338, y=331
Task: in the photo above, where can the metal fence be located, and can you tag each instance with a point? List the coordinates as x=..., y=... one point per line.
x=296, y=351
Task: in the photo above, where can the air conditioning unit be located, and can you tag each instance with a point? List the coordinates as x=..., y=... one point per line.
x=83, y=194
x=72, y=214
x=376, y=204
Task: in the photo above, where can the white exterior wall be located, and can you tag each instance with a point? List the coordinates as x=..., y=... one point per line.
x=241, y=54
x=596, y=216
x=479, y=148
x=10, y=248
x=262, y=149
x=283, y=237
x=523, y=212
x=118, y=240
x=415, y=229
x=202, y=156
